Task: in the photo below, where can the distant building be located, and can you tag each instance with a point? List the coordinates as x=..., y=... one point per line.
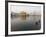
x=22, y=13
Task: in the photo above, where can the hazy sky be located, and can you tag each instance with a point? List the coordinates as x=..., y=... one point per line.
x=26, y=8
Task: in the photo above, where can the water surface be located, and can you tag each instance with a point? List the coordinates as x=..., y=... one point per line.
x=25, y=23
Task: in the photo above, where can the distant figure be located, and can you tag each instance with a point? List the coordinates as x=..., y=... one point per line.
x=36, y=23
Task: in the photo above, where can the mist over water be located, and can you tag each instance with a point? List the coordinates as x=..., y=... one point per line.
x=26, y=23
x=25, y=17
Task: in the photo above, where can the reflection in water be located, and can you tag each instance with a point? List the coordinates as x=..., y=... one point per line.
x=25, y=22
x=23, y=18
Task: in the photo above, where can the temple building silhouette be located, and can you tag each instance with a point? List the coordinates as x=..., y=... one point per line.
x=23, y=15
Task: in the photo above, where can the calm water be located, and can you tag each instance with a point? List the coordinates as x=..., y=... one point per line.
x=25, y=23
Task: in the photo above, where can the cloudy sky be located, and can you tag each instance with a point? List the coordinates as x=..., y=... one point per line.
x=26, y=8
